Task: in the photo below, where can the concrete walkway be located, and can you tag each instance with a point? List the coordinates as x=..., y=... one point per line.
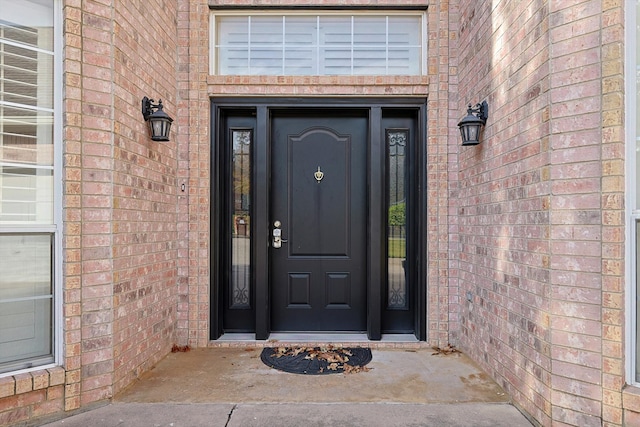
x=232, y=387
x=298, y=414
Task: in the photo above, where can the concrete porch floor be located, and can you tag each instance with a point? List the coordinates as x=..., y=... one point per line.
x=233, y=375
x=232, y=387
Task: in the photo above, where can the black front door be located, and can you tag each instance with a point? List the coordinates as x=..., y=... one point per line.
x=319, y=221
x=343, y=190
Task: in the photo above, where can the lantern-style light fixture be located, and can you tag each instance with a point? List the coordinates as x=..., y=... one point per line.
x=159, y=121
x=471, y=125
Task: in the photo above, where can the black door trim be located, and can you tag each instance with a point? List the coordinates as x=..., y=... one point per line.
x=261, y=230
x=260, y=226
x=376, y=223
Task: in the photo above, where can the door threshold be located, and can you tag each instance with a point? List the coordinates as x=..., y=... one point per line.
x=286, y=339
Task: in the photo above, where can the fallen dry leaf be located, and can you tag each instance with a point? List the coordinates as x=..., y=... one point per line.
x=349, y=369
x=446, y=350
x=180, y=348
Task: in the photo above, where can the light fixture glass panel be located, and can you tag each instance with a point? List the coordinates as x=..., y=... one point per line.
x=473, y=132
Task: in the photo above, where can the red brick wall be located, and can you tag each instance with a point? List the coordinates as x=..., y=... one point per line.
x=442, y=280
x=503, y=194
x=120, y=207
x=541, y=207
x=613, y=231
x=145, y=188
x=576, y=226
x=94, y=378
x=194, y=158
x=72, y=202
x=120, y=195
x=30, y=395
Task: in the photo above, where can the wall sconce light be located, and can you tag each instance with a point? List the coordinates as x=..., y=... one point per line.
x=473, y=122
x=159, y=121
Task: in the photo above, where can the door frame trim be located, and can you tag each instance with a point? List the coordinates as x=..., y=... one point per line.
x=260, y=226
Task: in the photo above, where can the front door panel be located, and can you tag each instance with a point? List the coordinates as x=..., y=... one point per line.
x=319, y=199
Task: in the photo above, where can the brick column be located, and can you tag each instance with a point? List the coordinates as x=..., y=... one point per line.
x=96, y=189
x=613, y=232
x=196, y=101
x=72, y=202
x=442, y=288
x=576, y=212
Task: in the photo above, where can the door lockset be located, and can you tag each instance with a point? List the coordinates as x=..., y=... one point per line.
x=277, y=239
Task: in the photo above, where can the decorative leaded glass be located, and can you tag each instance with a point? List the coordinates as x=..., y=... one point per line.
x=396, y=141
x=240, y=238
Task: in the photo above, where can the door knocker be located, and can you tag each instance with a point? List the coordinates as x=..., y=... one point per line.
x=318, y=175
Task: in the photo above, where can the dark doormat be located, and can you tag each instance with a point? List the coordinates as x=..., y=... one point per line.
x=317, y=360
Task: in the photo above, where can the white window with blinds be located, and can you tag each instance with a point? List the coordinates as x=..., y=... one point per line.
x=29, y=220
x=337, y=43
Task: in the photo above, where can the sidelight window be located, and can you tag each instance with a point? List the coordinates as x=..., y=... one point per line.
x=241, y=216
x=327, y=44
x=396, y=141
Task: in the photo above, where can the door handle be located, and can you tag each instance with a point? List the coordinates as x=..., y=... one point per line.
x=277, y=239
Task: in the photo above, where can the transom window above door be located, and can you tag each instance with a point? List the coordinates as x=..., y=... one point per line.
x=337, y=43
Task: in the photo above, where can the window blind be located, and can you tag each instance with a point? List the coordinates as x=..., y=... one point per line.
x=26, y=124
x=319, y=45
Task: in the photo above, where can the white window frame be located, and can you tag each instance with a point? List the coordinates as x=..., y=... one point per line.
x=315, y=12
x=56, y=227
x=632, y=215
x=58, y=146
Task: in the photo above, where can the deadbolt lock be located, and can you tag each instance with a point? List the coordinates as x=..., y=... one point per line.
x=277, y=239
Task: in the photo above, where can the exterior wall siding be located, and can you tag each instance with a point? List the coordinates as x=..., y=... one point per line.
x=195, y=152
x=525, y=243
x=442, y=290
x=541, y=206
x=504, y=199
x=145, y=190
x=120, y=196
x=94, y=376
x=613, y=205
x=576, y=226
x=72, y=203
